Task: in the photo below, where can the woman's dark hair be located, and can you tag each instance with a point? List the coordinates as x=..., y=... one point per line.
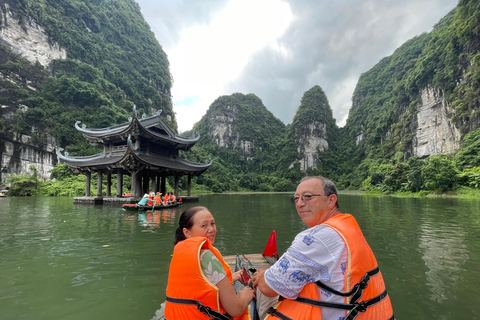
x=186, y=221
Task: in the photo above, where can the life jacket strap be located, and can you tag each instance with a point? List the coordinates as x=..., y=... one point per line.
x=357, y=288
x=354, y=308
x=212, y=314
x=362, y=306
x=274, y=312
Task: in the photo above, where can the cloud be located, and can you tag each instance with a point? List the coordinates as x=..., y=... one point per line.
x=280, y=49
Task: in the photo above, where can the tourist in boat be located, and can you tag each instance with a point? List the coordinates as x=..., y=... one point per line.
x=325, y=263
x=144, y=200
x=158, y=199
x=150, y=200
x=199, y=275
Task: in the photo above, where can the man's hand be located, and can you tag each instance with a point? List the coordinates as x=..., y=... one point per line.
x=256, y=278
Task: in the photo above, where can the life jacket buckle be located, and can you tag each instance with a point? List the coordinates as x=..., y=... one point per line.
x=360, y=306
x=205, y=310
x=364, y=282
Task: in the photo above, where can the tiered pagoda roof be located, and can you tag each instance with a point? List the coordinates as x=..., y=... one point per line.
x=139, y=144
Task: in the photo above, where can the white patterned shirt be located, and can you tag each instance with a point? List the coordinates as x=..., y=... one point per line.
x=318, y=253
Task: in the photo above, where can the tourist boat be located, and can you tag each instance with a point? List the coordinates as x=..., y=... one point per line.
x=136, y=207
x=3, y=193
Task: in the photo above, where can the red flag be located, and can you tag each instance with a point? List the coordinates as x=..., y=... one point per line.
x=271, y=247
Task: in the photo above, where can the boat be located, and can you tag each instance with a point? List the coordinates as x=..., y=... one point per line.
x=136, y=207
x=3, y=193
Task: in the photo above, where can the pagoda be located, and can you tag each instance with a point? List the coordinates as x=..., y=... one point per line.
x=147, y=149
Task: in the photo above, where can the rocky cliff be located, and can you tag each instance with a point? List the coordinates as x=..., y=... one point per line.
x=435, y=132
x=18, y=152
x=73, y=60
x=28, y=38
x=239, y=122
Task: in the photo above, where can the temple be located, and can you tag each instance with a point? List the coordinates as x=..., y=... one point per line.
x=146, y=149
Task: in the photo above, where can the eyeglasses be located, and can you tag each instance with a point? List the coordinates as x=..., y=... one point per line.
x=307, y=197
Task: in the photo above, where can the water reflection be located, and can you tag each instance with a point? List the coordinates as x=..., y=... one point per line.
x=153, y=219
x=445, y=254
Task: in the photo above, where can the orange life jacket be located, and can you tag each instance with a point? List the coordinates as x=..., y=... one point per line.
x=187, y=285
x=365, y=297
x=157, y=200
x=150, y=201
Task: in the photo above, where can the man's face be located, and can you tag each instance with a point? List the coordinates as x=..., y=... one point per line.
x=316, y=210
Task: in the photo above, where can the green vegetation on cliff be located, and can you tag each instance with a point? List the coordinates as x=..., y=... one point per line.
x=113, y=62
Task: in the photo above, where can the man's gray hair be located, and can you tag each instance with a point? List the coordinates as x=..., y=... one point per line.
x=327, y=184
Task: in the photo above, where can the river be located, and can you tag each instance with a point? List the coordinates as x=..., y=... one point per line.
x=60, y=260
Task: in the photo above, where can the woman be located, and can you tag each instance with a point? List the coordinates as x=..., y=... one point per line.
x=158, y=199
x=199, y=280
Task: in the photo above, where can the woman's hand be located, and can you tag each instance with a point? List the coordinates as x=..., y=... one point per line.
x=246, y=294
x=236, y=275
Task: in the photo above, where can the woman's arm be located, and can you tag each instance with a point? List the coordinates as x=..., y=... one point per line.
x=234, y=305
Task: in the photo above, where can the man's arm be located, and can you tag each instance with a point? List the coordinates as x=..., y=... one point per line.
x=259, y=281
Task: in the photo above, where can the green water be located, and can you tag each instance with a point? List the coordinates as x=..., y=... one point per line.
x=60, y=260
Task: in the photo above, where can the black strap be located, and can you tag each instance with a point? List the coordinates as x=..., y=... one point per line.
x=355, y=308
x=357, y=288
x=200, y=307
x=362, y=306
x=274, y=312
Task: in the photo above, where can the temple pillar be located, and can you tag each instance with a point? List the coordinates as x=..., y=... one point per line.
x=164, y=186
x=157, y=181
x=177, y=179
x=133, y=186
x=99, y=183
x=145, y=182
x=119, y=183
x=189, y=187
x=88, y=183
x=109, y=184
x=153, y=183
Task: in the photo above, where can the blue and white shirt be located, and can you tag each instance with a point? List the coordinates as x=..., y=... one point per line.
x=318, y=253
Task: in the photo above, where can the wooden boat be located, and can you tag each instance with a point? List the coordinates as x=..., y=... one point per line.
x=136, y=207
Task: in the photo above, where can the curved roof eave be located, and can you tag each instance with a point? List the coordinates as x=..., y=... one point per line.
x=66, y=157
x=99, y=160
x=145, y=123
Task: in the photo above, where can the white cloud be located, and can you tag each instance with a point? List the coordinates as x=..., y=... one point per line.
x=207, y=56
x=280, y=49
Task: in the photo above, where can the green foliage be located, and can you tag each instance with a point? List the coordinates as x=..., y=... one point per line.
x=114, y=61
x=470, y=178
x=469, y=153
x=60, y=172
x=386, y=98
x=439, y=174
x=23, y=184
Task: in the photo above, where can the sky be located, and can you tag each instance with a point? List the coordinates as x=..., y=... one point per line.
x=278, y=50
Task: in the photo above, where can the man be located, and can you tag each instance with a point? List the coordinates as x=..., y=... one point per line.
x=319, y=275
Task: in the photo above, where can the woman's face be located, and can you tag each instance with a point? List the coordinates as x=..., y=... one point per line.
x=203, y=226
